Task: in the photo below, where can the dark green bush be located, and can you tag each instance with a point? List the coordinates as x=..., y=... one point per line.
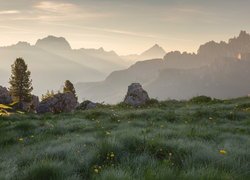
x=152, y=102
x=201, y=99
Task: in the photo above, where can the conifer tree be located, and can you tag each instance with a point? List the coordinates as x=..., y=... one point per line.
x=20, y=82
x=69, y=87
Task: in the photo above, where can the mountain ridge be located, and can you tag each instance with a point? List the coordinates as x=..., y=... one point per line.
x=205, y=68
x=52, y=42
x=55, y=61
x=153, y=52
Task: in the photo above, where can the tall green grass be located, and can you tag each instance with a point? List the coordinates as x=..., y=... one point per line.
x=161, y=140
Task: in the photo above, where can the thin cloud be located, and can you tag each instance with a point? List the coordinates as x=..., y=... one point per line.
x=52, y=11
x=107, y=30
x=55, y=7
x=194, y=11
x=9, y=12
x=9, y=28
x=125, y=32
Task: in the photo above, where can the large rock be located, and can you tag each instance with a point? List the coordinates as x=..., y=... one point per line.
x=86, y=105
x=29, y=106
x=136, y=95
x=61, y=102
x=32, y=105
x=34, y=102
x=5, y=97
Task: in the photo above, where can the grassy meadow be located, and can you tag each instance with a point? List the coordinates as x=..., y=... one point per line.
x=163, y=140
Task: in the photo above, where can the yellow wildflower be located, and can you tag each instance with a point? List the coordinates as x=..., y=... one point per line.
x=20, y=139
x=96, y=170
x=223, y=152
x=112, y=155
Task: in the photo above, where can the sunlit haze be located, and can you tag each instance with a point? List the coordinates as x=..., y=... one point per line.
x=125, y=26
x=124, y=89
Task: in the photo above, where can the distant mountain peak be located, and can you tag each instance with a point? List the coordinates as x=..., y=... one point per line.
x=155, y=51
x=156, y=46
x=237, y=45
x=21, y=44
x=101, y=49
x=243, y=35
x=53, y=42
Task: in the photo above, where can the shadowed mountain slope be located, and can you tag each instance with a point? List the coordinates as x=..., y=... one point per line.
x=52, y=61
x=218, y=69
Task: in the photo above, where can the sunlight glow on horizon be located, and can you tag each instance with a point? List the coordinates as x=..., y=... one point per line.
x=126, y=27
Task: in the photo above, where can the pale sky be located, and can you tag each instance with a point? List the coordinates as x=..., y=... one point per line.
x=126, y=26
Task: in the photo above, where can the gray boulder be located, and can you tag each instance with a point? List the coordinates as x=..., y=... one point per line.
x=34, y=102
x=61, y=102
x=86, y=105
x=136, y=95
x=5, y=97
x=32, y=105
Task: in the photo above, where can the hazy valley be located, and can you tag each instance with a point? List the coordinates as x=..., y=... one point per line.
x=217, y=70
x=52, y=60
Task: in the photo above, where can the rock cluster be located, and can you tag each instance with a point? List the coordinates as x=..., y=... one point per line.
x=32, y=105
x=5, y=97
x=136, y=95
x=67, y=102
x=61, y=102
x=86, y=105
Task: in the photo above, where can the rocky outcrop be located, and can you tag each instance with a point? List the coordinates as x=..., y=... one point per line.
x=86, y=105
x=231, y=49
x=61, y=102
x=5, y=97
x=32, y=105
x=34, y=102
x=29, y=106
x=136, y=95
x=52, y=43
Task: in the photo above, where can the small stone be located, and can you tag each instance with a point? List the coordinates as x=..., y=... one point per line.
x=86, y=105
